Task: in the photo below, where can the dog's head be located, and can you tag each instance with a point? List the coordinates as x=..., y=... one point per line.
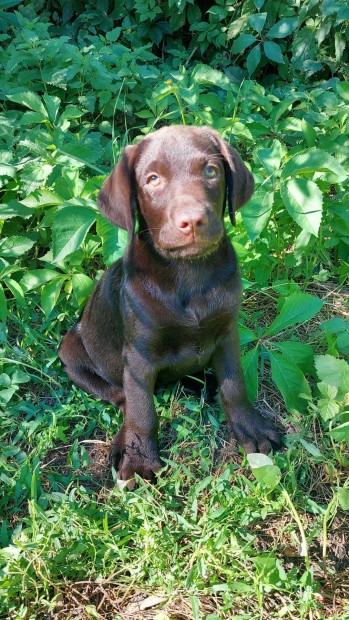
x=178, y=180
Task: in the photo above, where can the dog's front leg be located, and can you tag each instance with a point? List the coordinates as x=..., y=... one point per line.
x=135, y=447
x=246, y=425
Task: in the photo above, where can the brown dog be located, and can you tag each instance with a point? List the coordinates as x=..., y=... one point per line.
x=169, y=307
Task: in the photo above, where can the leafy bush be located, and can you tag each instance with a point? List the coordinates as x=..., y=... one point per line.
x=80, y=81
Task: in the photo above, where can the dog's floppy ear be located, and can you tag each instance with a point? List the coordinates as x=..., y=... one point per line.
x=117, y=197
x=239, y=180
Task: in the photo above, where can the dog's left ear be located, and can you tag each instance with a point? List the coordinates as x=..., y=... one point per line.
x=239, y=180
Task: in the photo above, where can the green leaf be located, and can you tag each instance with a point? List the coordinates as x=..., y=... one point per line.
x=114, y=240
x=273, y=52
x=303, y=201
x=82, y=287
x=333, y=371
x=70, y=229
x=310, y=447
x=298, y=308
x=290, y=380
x=299, y=353
x=314, y=160
x=283, y=28
x=264, y=469
x=49, y=295
x=253, y=59
x=3, y=305
x=342, y=89
x=29, y=100
x=38, y=277
x=15, y=246
x=7, y=170
x=34, y=174
x=52, y=106
x=246, y=335
x=343, y=498
x=204, y=74
x=309, y=133
x=250, y=368
x=113, y=35
x=257, y=21
x=328, y=409
x=341, y=432
x=242, y=42
x=256, y=214
x=15, y=209
x=271, y=158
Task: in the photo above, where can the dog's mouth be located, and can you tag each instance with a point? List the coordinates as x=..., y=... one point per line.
x=192, y=251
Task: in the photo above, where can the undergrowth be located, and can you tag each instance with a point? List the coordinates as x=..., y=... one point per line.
x=220, y=535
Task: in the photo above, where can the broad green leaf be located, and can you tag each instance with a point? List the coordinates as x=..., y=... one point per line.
x=38, y=277
x=246, y=335
x=15, y=246
x=49, y=295
x=257, y=21
x=303, y=201
x=16, y=290
x=290, y=380
x=342, y=89
x=82, y=287
x=273, y=52
x=299, y=353
x=256, y=213
x=7, y=170
x=34, y=174
x=253, y=59
x=328, y=409
x=283, y=28
x=29, y=100
x=314, y=160
x=69, y=229
x=298, y=308
x=114, y=240
x=309, y=133
x=333, y=371
x=204, y=74
x=3, y=305
x=52, y=104
x=264, y=469
x=15, y=209
x=242, y=42
x=250, y=367
x=343, y=498
x=114, y=34
x=341, y=432
x=271, y=158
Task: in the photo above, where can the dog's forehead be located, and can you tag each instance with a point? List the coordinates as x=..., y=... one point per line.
x=176, y=146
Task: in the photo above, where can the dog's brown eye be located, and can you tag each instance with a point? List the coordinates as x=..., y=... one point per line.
x=211, y=172
x=153, y=180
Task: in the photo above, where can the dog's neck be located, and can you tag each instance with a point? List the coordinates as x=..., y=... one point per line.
x=175, y=273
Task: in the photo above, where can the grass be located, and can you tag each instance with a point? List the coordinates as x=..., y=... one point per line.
x=207, y=542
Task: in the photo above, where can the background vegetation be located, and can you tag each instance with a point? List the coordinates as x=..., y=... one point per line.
x=220, y=536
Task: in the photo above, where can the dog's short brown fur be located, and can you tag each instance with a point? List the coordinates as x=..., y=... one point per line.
x=169, y=307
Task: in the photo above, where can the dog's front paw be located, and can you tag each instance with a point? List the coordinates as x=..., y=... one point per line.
x=131, y=454
x=254, y=433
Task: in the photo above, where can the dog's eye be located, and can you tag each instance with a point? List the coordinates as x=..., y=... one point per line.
x=211, y=172
x=153, y=180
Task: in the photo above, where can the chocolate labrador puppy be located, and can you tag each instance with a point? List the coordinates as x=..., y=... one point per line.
x=169, y=307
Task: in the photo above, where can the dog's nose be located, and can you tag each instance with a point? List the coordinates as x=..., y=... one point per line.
x=190, y=222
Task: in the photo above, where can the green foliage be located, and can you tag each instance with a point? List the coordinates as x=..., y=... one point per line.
x=80, y=80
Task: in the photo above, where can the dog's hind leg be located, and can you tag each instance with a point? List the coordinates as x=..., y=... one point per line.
x=81, y=370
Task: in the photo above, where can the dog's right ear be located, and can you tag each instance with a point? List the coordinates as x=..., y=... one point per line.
x=117, y=198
